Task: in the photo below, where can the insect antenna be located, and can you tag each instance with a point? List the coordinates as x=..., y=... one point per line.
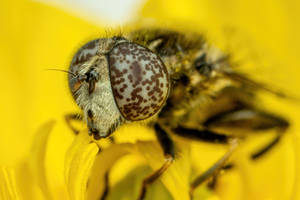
x=61, y=70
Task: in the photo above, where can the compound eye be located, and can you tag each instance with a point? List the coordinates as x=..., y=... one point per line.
x=139, y=80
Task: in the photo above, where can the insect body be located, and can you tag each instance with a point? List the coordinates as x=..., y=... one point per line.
x=176, y=80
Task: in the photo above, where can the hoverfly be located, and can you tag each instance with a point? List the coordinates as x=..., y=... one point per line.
x=178, y=83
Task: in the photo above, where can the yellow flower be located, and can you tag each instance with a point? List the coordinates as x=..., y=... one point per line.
x=55, y=164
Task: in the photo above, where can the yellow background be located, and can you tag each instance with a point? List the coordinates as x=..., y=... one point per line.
x=262, y=35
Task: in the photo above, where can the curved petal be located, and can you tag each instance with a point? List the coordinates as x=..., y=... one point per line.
x=176, y=178
x=79, y=161
x=8, y=186
x=37, y=158
x=103, y=163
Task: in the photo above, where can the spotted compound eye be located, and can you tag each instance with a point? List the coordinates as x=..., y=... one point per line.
x=139, y=81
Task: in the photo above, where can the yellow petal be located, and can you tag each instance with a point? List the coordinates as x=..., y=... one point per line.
x=129, y=187
x=176, y=178
x=37, y=157
x=296, y=191
x=8, y=186
x=27, y=183
x=103, y=163
x=79, y=161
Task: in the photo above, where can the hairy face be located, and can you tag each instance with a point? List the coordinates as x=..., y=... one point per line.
x=92, y=90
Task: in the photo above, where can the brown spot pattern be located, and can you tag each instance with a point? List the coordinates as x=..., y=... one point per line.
x=139, y=80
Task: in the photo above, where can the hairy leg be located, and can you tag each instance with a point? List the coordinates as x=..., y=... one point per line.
x=168, y=148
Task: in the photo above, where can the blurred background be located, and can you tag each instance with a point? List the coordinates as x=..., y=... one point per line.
x=263, y=36
x=38, y=35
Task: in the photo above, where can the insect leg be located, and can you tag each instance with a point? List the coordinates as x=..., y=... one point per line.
x=73, y=117
x=258, y=154
x=203, y=135
x=213, y=171
x=168, y=148
x=212, y=137
x=281, y=129
x=250, y=121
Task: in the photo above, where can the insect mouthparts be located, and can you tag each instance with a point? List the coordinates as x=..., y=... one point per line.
x=95, y=133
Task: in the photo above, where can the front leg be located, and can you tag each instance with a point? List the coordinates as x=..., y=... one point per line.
x=211, y=137
x=214, y=170
x=250, y=121
x=168, y=147
x=73, y=117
